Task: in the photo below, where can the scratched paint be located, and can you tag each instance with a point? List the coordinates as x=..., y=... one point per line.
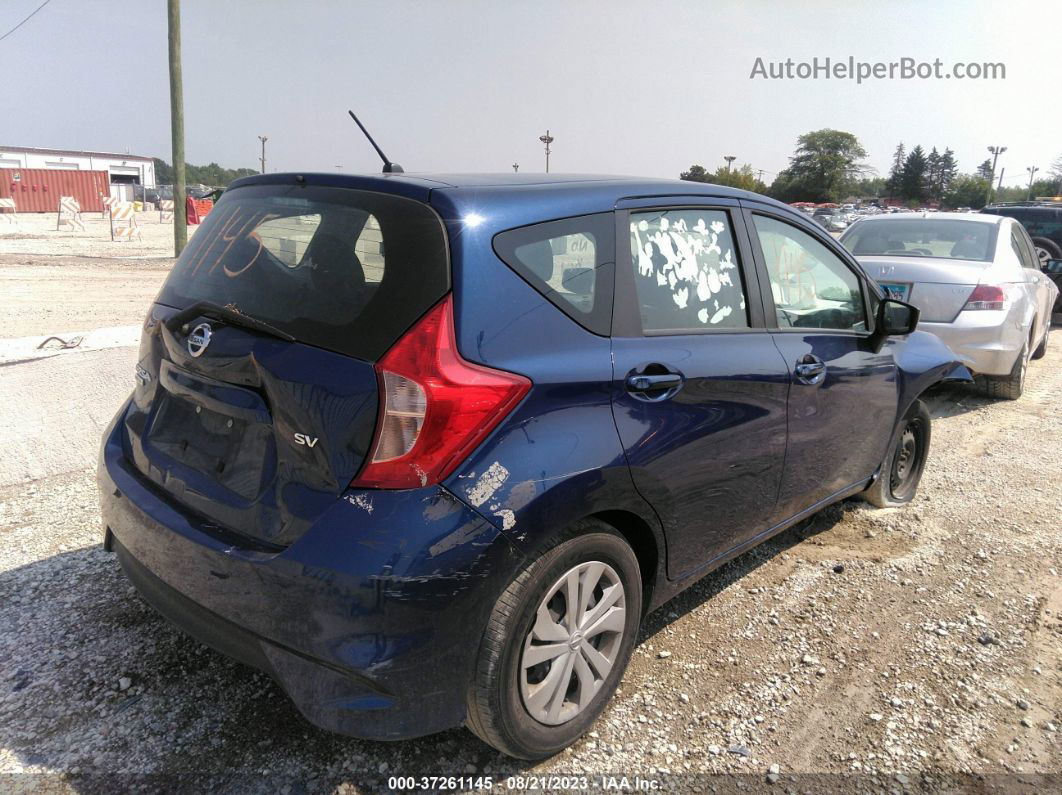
x=487, y=484
x=362, y=501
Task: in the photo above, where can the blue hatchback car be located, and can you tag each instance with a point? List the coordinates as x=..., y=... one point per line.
x=427, y=448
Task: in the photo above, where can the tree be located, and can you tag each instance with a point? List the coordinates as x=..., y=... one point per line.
x=695, y=174
x=824, y=163
x=1056, y=174
x=735, y=177
x=212, y=174
x=967, y=190
x=896, y=172
x=915, y=167
x=932, y=174
x=949, y=170
x=985, y=169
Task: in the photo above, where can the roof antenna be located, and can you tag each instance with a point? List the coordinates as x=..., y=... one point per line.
x=389, y=167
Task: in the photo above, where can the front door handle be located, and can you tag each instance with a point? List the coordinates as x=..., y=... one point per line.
x=810, y=370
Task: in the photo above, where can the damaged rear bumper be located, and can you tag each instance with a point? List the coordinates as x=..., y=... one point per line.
x=370, y=622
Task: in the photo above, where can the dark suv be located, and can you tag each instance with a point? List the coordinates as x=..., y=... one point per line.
x=427, y=448
x=1043, y=222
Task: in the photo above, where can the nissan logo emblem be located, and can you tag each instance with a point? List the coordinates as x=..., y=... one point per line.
x=199, y=339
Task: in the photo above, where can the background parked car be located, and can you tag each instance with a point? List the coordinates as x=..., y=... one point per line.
x=976, y=280
x=1043, y=222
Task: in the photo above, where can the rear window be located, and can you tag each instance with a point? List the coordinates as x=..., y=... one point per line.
x=922, y=237
x=340, y=269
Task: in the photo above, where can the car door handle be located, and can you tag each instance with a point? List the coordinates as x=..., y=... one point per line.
x=810, y=370
x=652, y=383
x=654, y=386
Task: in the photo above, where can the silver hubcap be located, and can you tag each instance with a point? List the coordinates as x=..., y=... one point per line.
x=573, y=644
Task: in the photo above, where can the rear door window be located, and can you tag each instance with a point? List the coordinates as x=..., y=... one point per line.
x=570, y=261
x=686, y=271
x=344, y=270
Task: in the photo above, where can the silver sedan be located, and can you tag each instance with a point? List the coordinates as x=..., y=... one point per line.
x=975, y=279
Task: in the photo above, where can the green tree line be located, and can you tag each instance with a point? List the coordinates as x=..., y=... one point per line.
x=827, y=166
x=212, y=174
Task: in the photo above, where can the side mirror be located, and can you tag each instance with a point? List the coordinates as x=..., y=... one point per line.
x=896, y=317
x=1053, y=266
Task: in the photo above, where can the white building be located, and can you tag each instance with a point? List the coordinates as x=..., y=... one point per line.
x=125, y=170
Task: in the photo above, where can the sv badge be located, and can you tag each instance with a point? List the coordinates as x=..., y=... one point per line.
x=302, y=438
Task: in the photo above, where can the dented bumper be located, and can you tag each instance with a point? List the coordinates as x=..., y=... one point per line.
x=370, y=621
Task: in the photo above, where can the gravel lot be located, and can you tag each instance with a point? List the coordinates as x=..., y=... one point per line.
x=913, y=645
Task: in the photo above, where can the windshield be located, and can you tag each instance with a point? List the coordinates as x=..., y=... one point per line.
x=922, y=237
x=340, y=269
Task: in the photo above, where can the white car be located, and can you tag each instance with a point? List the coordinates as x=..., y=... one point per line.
x=975, y=279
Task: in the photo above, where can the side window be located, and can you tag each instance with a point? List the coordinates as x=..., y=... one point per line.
x=369, y=248
x=570, y=262
x=812, y=287
x=686, y=271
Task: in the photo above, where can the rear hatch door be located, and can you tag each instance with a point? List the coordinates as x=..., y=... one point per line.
x=256, y=396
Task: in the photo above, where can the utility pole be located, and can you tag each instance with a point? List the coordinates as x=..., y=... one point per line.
x=547, y=139
x=263, y=139
x=1032, y=173
x=995, y=151
x=180, y=221
x=759, y=174
x=516, y=167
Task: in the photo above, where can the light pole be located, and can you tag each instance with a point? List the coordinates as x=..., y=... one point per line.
x=516, y=166
x=180, y=227
x=995, y=151
x=263, y=139
x=1032, y=173
x=547, y=139
x=729, y=159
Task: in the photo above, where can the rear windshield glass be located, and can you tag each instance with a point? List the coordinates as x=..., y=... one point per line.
x=340, y=269
x=923, y=237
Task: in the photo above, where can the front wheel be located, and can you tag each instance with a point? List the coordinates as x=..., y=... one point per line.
x=902, y=469
x=557, y=644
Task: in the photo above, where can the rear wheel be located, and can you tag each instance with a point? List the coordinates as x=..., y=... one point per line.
x=902, y=469
x=557, y=644
x=1009, y=387
x=1045, y=250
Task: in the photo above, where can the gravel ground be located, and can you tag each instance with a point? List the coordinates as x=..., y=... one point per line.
x=909, y=645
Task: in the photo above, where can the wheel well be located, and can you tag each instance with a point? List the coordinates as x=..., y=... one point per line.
x=639, y=535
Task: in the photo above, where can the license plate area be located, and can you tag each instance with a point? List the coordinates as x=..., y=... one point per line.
x=898, y=291
x=227, y=444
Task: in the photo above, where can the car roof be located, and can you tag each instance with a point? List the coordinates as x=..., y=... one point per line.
x=417, y=185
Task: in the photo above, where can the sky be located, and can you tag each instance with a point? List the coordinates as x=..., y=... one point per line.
x=640, y=88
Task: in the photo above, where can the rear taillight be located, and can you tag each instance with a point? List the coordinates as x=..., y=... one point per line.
x=435, y=406
x=986, y=296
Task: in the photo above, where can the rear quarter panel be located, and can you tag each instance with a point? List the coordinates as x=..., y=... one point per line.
x=557, y=458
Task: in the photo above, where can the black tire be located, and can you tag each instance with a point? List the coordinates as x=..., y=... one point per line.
x=497, y=712
x=1009, y=387
x=1046, y=249
x=1041, y=349
x=901, y=471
